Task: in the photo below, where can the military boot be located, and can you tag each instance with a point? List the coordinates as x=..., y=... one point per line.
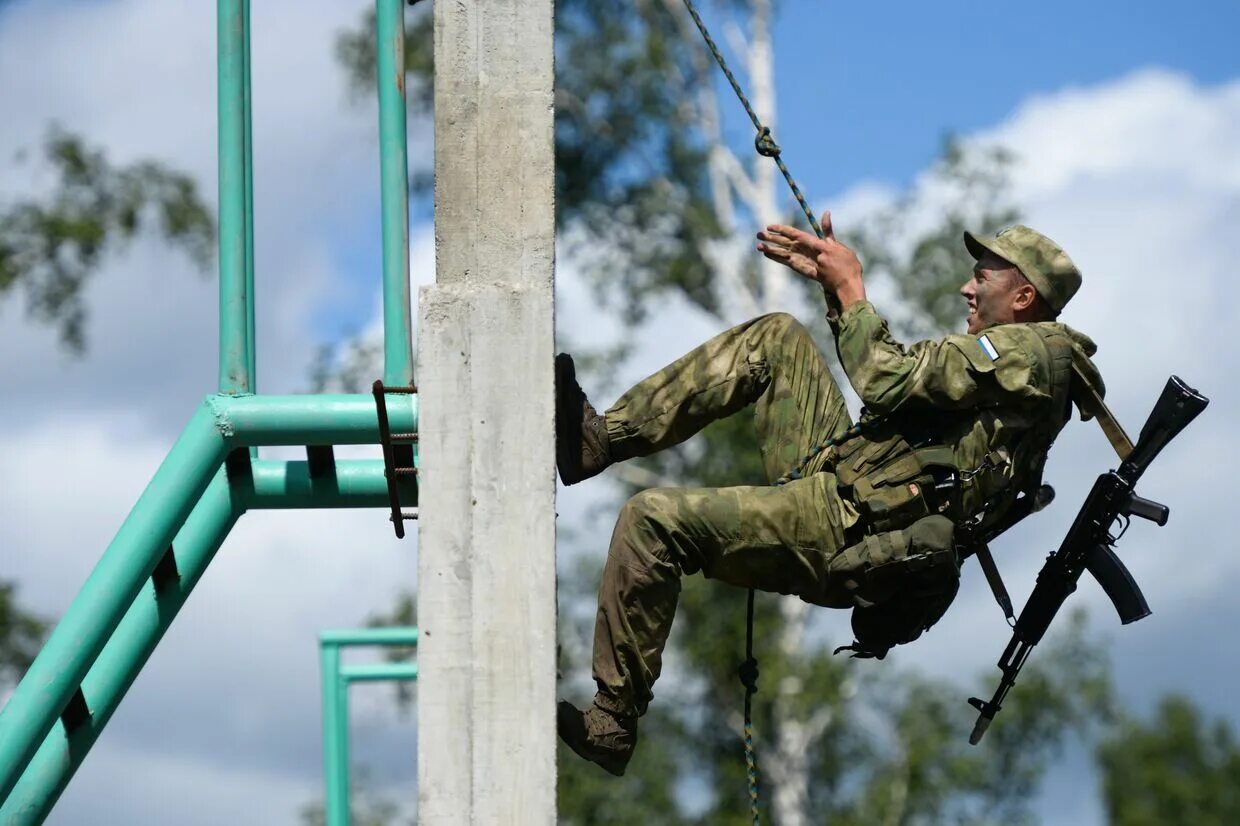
x=598, y=735
x=581, y=444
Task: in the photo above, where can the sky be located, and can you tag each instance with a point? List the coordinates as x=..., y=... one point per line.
x=1126, y=121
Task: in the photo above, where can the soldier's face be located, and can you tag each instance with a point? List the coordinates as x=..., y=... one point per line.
x=991, y=293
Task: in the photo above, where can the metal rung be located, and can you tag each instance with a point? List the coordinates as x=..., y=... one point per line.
x=403, y=515
x=405, y=471
x=404, y=437
x=407, y=389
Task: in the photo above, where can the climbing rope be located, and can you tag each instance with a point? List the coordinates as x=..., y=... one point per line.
x=748, y=671
x=749, y=677
x=764, y=143
x=766, y=146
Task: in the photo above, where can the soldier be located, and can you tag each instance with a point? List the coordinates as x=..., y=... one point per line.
x=951, y=432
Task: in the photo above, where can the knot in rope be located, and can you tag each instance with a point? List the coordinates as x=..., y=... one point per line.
x=748, y=672
x=765, y=144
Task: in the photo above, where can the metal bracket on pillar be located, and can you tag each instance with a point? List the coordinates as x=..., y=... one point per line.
x=397, y=454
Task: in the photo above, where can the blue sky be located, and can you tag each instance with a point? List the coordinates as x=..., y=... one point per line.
x=867, y=90
x=1126, y=116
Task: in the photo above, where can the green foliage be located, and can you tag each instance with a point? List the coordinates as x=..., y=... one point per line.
x=1176, y=768
x=21, y=636
x=630, y=155
x=51, y=245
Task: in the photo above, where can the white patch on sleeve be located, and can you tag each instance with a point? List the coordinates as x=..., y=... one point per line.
x=988, y=347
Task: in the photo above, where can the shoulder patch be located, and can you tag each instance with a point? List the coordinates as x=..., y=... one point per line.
x=988, y=348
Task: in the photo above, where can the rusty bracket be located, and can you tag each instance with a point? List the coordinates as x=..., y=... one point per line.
x=397, y=454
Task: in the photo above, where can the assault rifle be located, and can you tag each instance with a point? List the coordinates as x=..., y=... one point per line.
x=1089, y=544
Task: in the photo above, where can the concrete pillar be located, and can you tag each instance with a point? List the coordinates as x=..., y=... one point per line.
x=486, y=567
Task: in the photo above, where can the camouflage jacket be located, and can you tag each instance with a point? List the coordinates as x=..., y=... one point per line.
x=996, y=400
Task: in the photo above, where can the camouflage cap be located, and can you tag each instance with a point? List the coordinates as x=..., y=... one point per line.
x=1041, y=260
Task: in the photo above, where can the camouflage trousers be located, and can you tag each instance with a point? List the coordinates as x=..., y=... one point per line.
x=779, y=539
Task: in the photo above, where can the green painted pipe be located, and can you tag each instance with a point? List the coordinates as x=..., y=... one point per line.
x=373, y=672
x=277, y=484
x=335, y=738
x=119, y=575
x=311, y=420
x=234, y=298
x=336, y=680
x=221, y=424
x=383, y=635
x=394, y=180
x=353, y=483
x=123, y=657
x=247, y=110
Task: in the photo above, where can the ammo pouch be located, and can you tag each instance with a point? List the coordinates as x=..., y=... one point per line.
x=899, y=583
x=892, y=483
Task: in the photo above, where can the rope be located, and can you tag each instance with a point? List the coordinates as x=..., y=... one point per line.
x=764, y=143
x=766, y=146
x=748, y=671
x=749, y=676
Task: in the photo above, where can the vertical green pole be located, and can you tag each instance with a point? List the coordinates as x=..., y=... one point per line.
x=250, y=339
x=394, y=172
x=234, y=297
x=335, y=736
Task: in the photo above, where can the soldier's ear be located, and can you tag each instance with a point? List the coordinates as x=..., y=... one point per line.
x=1024, y=297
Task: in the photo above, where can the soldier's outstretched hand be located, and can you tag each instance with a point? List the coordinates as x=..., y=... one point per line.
x=792, y=247
x=825, y=260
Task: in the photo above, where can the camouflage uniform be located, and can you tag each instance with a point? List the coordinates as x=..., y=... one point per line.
x=987, y=409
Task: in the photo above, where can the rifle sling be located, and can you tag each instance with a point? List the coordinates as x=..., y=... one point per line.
x=1089, y=400
x=982, y=552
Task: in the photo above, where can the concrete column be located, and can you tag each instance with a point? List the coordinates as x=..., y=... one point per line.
x=486, y=567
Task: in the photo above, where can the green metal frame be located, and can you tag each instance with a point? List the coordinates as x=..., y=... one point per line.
x=213, y=474
x=336, y=681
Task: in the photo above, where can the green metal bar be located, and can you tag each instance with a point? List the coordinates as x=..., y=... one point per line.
x=335, y=737
x=373, y=672
x=354, y=483
x=153, y=611
x=384, y=635
x=394, y=174
x=311, y=420
x=105, y=685
x=336, y=680
x=110, y=589
x=234, y=298
x=250, y=340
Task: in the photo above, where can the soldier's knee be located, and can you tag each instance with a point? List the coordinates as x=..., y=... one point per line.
x=782, y=326
x=645, y=508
